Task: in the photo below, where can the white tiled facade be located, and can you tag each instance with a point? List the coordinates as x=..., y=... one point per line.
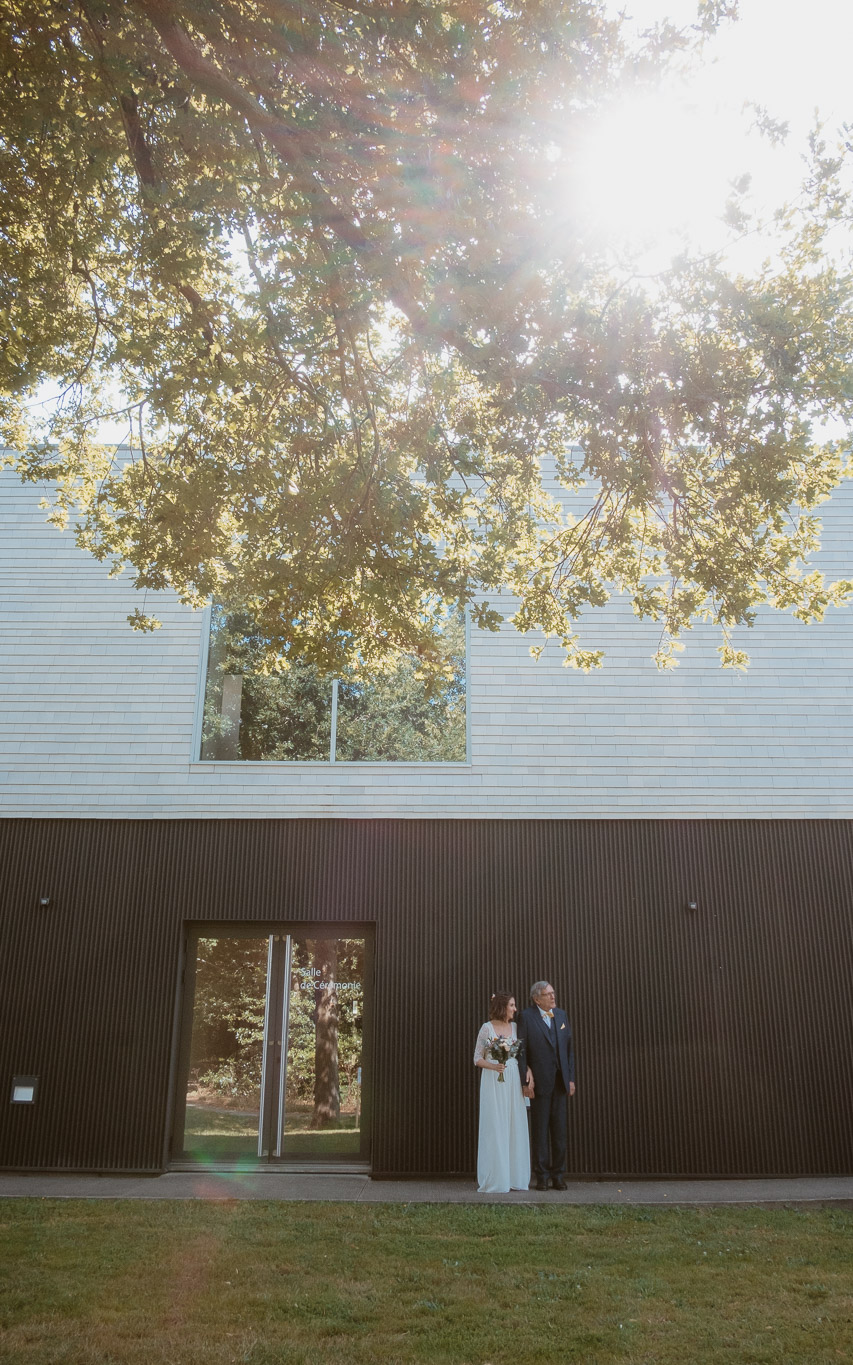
x=98, y=720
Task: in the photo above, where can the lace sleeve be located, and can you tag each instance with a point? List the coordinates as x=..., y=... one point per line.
x=480, y=1047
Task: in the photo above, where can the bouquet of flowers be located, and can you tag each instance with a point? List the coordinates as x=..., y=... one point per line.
x=501, y=1049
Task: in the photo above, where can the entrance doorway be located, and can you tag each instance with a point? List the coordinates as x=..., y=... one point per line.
x=274, y=1063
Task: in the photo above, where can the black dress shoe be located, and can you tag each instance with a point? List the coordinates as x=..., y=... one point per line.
x=540, y=1183
x=559, y=1185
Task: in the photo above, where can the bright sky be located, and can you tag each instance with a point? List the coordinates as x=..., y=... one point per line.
x=668, y=162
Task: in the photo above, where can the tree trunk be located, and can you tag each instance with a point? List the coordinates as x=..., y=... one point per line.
x=327, y=1090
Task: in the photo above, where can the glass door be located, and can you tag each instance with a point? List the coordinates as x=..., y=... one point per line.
x=323, y=1109
x=222, y=1091
x=274, y=1061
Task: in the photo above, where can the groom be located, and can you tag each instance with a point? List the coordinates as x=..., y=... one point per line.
x=547, y=1038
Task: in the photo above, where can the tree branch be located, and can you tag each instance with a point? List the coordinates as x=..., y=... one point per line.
x=136, y=141
x=293, y=147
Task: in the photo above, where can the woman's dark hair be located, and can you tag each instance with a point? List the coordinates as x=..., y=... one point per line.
x=499, y=1005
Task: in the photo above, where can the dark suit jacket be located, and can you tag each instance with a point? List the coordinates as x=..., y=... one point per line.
x=546, y=1056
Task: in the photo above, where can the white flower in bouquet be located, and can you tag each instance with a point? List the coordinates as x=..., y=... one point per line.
x=501, y=1049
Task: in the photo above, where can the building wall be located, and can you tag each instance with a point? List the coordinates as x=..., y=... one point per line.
x=591, y=811
x=710, y=1041
x=99, y=721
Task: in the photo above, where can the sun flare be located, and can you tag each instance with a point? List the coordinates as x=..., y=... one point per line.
x=655, y=173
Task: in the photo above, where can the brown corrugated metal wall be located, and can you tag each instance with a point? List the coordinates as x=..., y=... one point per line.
x=710, y=1041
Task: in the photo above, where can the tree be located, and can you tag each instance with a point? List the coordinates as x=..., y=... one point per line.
x=320, y=256
x=327, y=1086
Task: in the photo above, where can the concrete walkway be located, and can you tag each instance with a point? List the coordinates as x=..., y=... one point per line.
x=360, y=1189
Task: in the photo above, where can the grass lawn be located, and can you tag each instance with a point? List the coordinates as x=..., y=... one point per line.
x=179, y=1282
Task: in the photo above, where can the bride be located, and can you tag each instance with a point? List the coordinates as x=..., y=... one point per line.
x=503, y=1152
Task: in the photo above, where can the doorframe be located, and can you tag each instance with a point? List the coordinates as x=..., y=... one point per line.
x=191, y=931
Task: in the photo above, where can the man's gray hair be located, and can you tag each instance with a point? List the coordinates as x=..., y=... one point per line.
x=537, y=988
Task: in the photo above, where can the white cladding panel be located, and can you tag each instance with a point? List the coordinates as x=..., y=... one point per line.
x=98, y=720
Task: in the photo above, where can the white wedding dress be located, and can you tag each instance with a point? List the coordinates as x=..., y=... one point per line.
x=503, y=1150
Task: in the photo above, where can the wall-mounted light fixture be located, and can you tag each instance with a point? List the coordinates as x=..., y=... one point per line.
x=692, y=905
x=24, y=1089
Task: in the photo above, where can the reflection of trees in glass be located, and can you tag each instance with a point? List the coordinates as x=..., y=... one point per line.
x=327, y=1090
x=396, y=716
x=228, y=1018
x=280, y=716
x=324, y=1024
x=325, y=1027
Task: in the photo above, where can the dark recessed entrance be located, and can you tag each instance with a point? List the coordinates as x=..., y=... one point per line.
x=274, y=1061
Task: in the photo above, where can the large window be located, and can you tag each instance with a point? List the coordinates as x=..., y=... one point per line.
x=300, y=715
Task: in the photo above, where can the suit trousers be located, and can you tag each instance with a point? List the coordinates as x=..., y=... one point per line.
x=548, y=1131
